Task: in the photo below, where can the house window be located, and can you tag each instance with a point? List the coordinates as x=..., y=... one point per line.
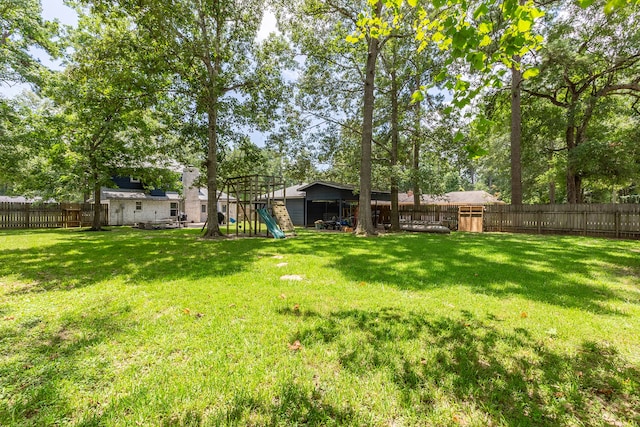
x=174, y=209
x=203, y=208
x=134, y=180
x=224, y=209
x=138, y=206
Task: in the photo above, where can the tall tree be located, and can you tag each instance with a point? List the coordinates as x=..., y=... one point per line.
x=210, y=48
x=591, y=55
x=104, y=97
x=321, y=28
x=365, y=223
x=516, y=133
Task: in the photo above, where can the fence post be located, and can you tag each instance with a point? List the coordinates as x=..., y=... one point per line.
x=539, y=220
x=27, y=221
x=617, y=214
x=585, y=223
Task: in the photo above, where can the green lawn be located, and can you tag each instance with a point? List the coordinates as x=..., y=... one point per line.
x=134, y=327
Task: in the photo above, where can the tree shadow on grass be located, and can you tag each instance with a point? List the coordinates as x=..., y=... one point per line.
x=552, y=270
x=40, y=363
x=500, y=377
x=293, y=404
x=81, y=259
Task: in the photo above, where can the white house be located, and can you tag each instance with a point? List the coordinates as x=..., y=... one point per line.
x=129, y=203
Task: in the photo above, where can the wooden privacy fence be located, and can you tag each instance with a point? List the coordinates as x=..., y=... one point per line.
x=48, y=215
x=620, y=220
x=412, y=216
x=605, y=220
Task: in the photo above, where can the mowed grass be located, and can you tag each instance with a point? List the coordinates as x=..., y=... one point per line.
x=160, y=328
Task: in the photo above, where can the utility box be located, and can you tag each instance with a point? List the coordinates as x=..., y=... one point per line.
x=470, y=218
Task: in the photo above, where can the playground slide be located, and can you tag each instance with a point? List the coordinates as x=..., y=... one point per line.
x=271, y=224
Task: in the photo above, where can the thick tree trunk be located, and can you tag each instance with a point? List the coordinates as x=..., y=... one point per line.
x=416, y=153
x=213, y=229
x=365, y=222
x=516, y=135
x=214, y=67
x=573, y=181
x=395, y=214
x=97, y=207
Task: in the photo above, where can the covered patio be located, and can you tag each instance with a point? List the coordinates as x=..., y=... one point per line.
x=336, y=204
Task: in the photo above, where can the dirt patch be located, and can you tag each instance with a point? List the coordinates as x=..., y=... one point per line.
x=294, y=277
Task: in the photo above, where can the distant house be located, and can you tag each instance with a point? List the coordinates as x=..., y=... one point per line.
x=129, y=203
x=472, y=198
x=462, y=198
x=22, y=199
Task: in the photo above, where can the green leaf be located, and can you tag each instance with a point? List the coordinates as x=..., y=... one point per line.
x=440, y=76
x=531, y=72
x=412, y=3
x=537, y=13
x=613, y=5
x=475, y=151
x=524, y=25
x=480, y=11
x=417, y=96
x=352, y=39
x=459, y=40
x=585, y=3
x=461, y=85
x=484, y=28
x=486, y=41
x=477, y=60
x=438, y=36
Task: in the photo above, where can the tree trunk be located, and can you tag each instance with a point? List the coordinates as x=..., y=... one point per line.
x=573, y=181
x=365, y=222
x=213, y=229
x=395, y=214
x=97, y=207
x=214, y=67
x=416, y=153
x=516, y=134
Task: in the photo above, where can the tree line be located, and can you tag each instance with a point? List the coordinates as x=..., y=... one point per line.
x=534, y=101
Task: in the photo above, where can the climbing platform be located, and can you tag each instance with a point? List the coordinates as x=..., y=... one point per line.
x=281, y=215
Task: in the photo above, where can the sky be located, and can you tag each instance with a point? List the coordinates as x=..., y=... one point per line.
x=56, y=9
x=51, y=9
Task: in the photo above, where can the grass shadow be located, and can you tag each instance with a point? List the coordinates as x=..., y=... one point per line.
x=502, y=378
x=561, y=271
x=76, y=259
x=41, y=361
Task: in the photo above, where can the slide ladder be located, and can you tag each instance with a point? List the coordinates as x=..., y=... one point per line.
x=271, y=224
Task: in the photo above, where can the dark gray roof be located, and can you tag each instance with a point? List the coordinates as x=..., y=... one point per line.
x=328, y=184
x=292, y=192
x=339, y=186
x=123, y=193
